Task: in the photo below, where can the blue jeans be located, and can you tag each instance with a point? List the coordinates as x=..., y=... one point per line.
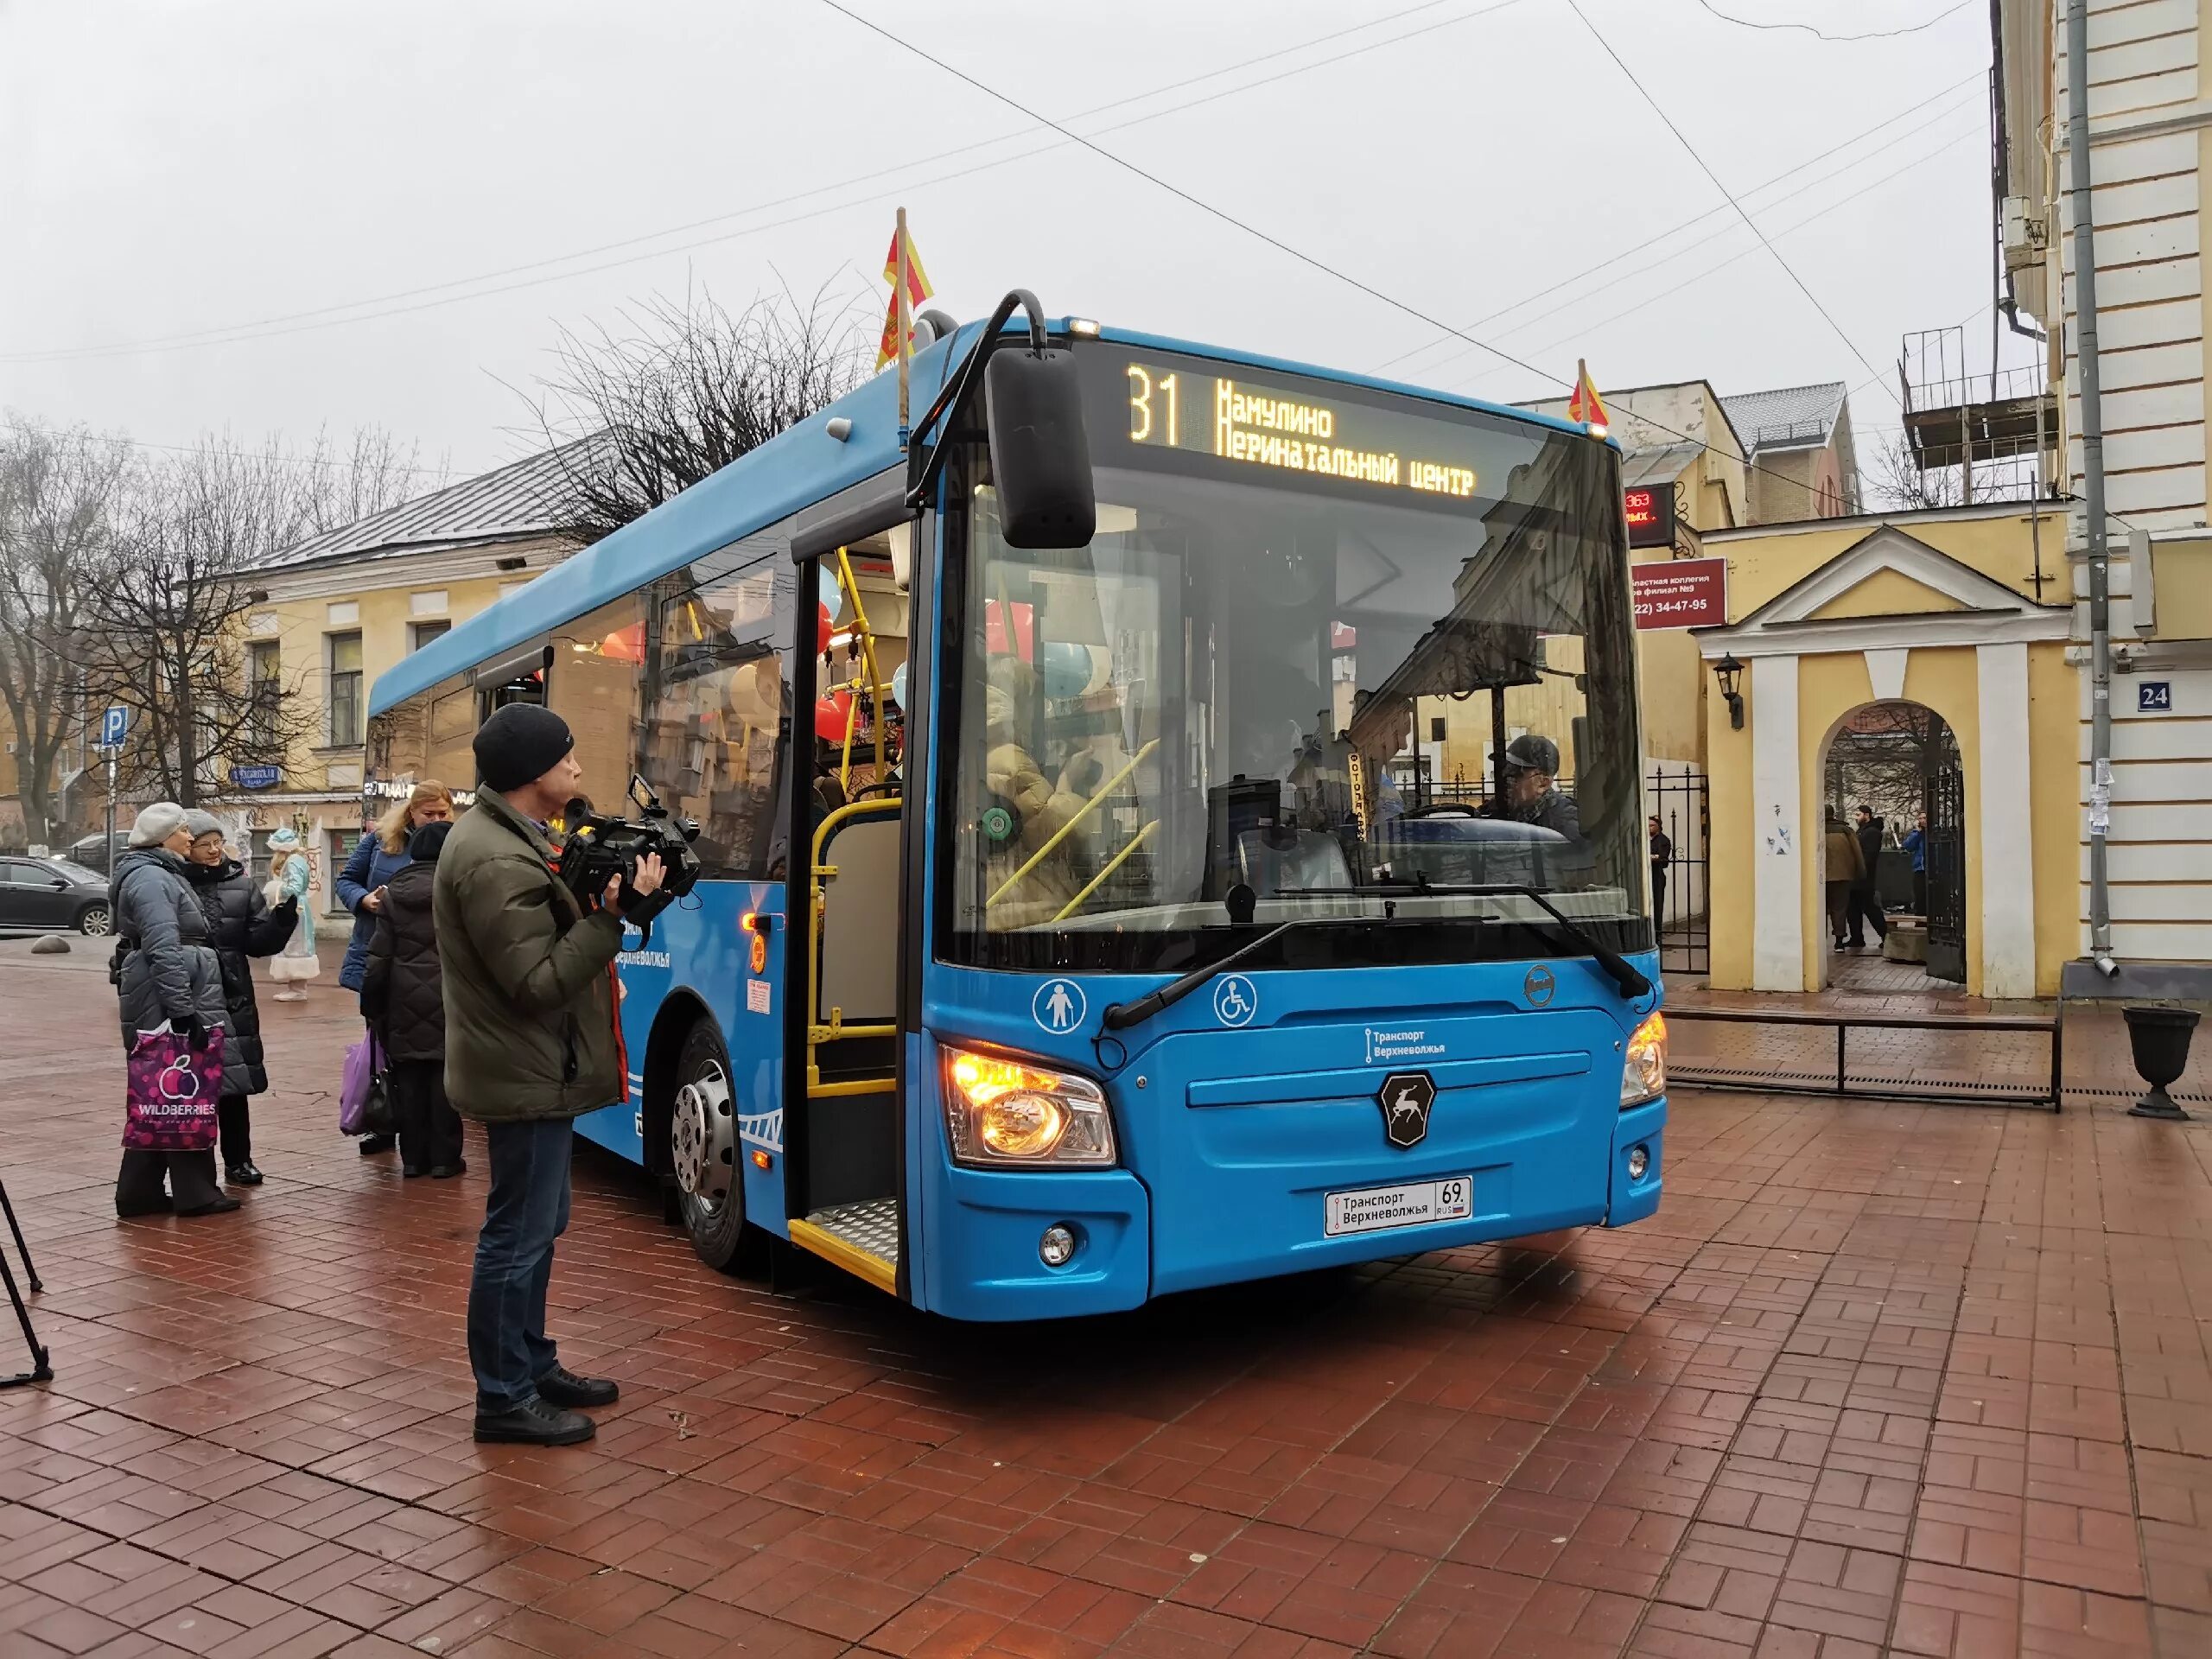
x=528, y=1208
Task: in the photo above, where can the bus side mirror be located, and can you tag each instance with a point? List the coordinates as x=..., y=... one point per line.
x=1040, y=455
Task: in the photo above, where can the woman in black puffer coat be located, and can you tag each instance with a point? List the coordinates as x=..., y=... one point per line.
x=165, y=972
x=402, y=993
x=242, y=927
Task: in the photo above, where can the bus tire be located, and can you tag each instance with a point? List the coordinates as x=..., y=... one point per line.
x=705, y=1089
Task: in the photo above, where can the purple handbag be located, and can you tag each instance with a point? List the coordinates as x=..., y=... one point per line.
x=363, y=1107
x=173, y=1090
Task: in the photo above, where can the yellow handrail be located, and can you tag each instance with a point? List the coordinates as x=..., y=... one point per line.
x=865, y=636
x=1077, y=818
x=1112, y=865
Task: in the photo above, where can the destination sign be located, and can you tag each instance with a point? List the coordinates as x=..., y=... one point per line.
x=1275, y=429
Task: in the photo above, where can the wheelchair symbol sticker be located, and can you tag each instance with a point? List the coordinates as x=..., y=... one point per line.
x=1235, y=1001
x=1057, y=1007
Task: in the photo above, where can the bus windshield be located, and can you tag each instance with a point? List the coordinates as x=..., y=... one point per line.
x=1331, y=653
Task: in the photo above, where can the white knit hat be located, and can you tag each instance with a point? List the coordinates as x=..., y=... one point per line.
x=157, y=823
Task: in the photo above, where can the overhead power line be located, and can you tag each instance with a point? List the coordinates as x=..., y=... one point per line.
x=1253, y=231
x=1647, y=244
x=328, y=316
x=1836, y=40
x=1596, y=33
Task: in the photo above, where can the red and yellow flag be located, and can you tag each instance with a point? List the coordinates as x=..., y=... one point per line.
x=917, y=290
x=1586, y=406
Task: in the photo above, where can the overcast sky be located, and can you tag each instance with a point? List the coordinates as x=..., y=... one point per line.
x=214, y=168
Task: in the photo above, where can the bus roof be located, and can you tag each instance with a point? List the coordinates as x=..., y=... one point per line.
x=790, y=471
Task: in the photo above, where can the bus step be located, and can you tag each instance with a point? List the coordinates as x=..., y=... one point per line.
x=861, y=1238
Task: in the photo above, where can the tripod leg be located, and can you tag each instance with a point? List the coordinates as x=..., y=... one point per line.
x=30, y=1268
x=42, y=1368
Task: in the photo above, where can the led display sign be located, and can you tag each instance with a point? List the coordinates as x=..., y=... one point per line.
x=1650, y=515
x=1275, y=430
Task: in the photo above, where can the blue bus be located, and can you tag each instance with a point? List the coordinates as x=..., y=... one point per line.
x=1062, y=941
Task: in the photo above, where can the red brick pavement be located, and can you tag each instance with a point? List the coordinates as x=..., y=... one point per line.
x=1922, y=1380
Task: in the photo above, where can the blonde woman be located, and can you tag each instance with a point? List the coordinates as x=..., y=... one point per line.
x=381, y=855
x=295, y=964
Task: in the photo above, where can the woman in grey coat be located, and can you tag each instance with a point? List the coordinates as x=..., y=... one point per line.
x=165, y=970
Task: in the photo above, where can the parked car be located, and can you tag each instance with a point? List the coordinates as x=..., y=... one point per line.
x=52, y=894
x=93, y=853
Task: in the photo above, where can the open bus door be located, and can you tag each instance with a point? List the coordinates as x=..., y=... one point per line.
x=843, y=1179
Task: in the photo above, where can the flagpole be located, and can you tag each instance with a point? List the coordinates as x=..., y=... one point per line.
x=904, y=341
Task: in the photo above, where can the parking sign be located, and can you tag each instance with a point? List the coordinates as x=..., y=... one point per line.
x=113, y=724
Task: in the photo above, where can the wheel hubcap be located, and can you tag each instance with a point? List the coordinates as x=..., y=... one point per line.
x=703, y=1136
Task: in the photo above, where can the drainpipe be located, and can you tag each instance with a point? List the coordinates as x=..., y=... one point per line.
x=2093, y=481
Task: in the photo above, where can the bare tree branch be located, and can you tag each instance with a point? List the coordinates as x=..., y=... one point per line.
x=1900, y=485
x=58, y=492
x=684, y=391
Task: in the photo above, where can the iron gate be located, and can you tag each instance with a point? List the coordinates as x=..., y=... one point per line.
x=1681, y=907
x=1945, y=793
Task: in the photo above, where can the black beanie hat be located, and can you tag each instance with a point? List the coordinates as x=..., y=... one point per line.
x=427, y=843
x=520, y=744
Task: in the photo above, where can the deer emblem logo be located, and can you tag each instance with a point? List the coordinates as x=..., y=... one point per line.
x=1405, y=1099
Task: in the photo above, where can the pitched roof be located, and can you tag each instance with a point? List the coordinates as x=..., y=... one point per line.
x=505, y=504
x=1788, y=417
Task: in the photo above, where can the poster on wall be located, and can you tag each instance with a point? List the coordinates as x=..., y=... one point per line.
x=1681, y=593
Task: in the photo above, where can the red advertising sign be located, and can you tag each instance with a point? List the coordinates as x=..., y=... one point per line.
x=1681, y=593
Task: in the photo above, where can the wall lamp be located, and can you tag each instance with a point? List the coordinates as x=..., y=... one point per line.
x=1728, y=671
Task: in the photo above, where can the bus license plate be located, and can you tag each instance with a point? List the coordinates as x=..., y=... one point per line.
x=1375, y=1209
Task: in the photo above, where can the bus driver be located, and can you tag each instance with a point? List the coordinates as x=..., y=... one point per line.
x=1530, y=767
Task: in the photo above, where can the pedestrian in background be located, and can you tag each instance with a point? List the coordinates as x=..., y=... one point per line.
x=165, y=973
x=1865, y=904
x=380, y=855
x=242, y=925
x=295, y=963
x=1662, y=852
x=1841, y=864
x=1917, y=844
x=404, y=995
x=531, y=1045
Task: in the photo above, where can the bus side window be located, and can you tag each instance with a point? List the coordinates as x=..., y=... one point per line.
x=716, y=712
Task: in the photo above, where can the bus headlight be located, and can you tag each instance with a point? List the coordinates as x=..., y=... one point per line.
x=1004, y=1113
x=1644, y=1075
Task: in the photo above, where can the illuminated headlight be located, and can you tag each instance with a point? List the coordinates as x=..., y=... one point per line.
x=1007, y=1113
x=1644, y=1075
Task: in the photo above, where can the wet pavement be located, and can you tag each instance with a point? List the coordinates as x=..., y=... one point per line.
x=1928, y=1379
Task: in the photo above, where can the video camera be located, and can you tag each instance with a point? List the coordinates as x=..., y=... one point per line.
x=597, y=849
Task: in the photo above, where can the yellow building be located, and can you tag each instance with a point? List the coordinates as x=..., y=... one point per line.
x=1959, y=610
x=335, y=611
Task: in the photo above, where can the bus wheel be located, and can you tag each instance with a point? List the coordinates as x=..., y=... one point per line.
x=702, y=1149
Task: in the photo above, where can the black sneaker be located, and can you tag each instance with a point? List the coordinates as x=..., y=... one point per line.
x=222, y=1205
x=447, y=1172
x=373, y=1144
x=564, y=1387
x=536, y=1422
x=410, y=1171
x=243, y=1174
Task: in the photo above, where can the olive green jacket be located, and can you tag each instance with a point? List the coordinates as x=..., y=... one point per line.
x=529, y=986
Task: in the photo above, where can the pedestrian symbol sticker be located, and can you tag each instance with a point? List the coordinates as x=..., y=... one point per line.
x=1057, y=1007
x=1235, y=1001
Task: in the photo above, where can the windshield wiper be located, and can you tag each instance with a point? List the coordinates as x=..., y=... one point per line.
x=1623, y=973
x=1120, y=1016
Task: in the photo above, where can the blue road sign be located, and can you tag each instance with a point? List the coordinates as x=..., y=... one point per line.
x=113, y=725
x=256, y=777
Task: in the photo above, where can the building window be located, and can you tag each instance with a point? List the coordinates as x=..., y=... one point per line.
x=420, y=634
x=1436, y=728
x=264, y=668
x=345, y=691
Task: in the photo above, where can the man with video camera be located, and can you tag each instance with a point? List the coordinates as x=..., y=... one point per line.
x=531, y=1043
